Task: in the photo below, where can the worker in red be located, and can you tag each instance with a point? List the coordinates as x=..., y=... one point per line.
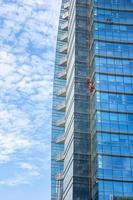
x=91, y=86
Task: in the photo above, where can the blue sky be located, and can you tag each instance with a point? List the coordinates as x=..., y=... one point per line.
x=27, y=44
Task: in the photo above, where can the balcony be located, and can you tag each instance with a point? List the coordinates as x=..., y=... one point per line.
x=66, y=5
x=64, y=37
x=61, y=123
x=62, y=92
x=62, y=75
x=60, y=176
x=65, y=15
x=61, y=107
x=60, y=156
x=63, y=49
x=60, y=139
x=63, y=61
x=64, y=26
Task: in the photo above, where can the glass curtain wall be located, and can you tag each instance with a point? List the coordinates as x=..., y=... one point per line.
x=76, y=167
x=58, y=115
x=111, y=116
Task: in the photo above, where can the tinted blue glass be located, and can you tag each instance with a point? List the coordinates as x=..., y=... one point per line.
x=57, y=131
x=121, y=4
x=115, y=16
x=114, y=32
x=112, y=103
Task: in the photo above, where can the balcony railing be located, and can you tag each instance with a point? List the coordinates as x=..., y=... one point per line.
x=64, y=26
x=65, y=15
x=62, y=92
x=66, y=5
x=63, y=48
x=60, y=156
x=64, y=36
x=63, y=61
x=61, y=122
x=62, y=75
x=61, y=107
x=60, y=139
x=60, y=176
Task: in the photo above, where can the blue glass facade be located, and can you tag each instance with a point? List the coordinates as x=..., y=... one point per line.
x=111, y=71
x=76, y=162
x=92, y=130
x=58, y=114
x=70, y=130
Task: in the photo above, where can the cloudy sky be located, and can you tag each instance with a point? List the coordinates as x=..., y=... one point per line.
x=27, y=44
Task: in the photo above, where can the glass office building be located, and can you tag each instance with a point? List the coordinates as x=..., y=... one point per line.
x=92, y=134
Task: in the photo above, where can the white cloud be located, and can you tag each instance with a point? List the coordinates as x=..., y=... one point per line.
x=27, y=166
x=28, y=35
x=32, y=169
x=14, y=181
x=10, y=144
x=7, y=63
